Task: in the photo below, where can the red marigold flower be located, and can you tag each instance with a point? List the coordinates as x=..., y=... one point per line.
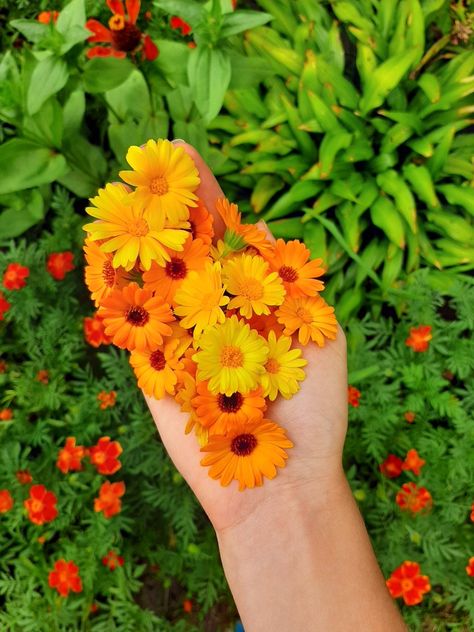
x=3, y=364
x=41, y=539
x=59, y=263
x=413, y=498
x=413, y=462
x=409, y=416
x=178, y=24
x=24, y=477
x=109, y=498
x=419, y=338
x=69, y=458
x=470, y=567
x=14, y=276
x=104, y=455
x=472, y=512
x=353, y=396
x=65, y=577
x=392, y=466
x=42, y=376
x=94, y=331
x=6, y=414
x=94, y=608
x=107, y=399
x=112, y=560
x=407, y=582
x=187, y=605
x=45, y=17
x=6, y=501
x=41, y=505
x=4, y=306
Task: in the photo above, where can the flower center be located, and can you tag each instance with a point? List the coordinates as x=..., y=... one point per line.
x=193, y=228
x=157, y=360
x=288, y=274
x=251, y=289
x=36, y=506
x=126, y=38
x=304, y=314
x=63, y=577
x=243, y=444
x=99, y=458
x=138, y=227
x=272, y=366
x=176, y=268
x=159, y=185
x=108, y=274
x=137, y=316
x=230, y=403
x=116, y=22
x=407, y=584
x=231, y=357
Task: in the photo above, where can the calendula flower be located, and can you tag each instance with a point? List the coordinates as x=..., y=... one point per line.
x=166, y=179
x=413, y=462
x=70, y=457
x=283, y=368
x=156, y=370
x=299, y=274
x=104, y=455
x=419, y=338
x=59, y=264
x=248, y=453
x=179, y=24
x=15, y=275
x=112, y=560
x=264, y=324
x=65, y=577
x=392, y=466
x=311, y=316
x=165, y=280
x=130, y=230
x=353, y=396
x=232, y=357
x=201, y=223
x=100, y=275
x=184, y=397
x=94, y=331
x=470, y=567
x=24, y=477
x=240, y=235
x=253, y=286
x=4, y=305
x=200, y=298
x=107, y=399
x=407, y=582
x=109, y=498
x=41, y=505
x=135, y=319
x=409, y=416
x=6, y=501
x=413, y=498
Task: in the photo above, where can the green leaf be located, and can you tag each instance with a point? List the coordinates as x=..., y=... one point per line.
x=248, y=71
x=33, y=30
x=131, y=98
x=104, y=73
x=73, y=112
x=23, y=210
x=49, y=76
x=209, y=72
x=189, y=10
x=46, y=126
x=71, y=16
x=239, y=21
x=172, y=61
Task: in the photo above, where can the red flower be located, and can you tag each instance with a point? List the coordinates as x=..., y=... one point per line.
x=6, y=501
x=413, y=462
x=470, y=567
x=409, y=416
x=123, y=35
x=45, y=17
x=109, y=498
x=65, y=577
x=69, y=458
x=4, y=306
x=472, y=512
x=104, y=455
x=413, y=498
x=188, y=605
x=112, y=560
x=14, y=276
x=392, y=466
x=419, y=338
x=3, y=364
x=107, y=399
x=406, y=582
x=178, y=24
x=24, y=477
x=42, y=376
x=6, y=414
x=353, y=396
x=59, y=263
x=41, y=505
x=94, y=331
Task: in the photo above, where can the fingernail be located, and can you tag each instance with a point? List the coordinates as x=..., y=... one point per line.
x=178, y=140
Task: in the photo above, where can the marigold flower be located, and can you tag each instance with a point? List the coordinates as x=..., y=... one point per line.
x=107, y=399
x=187, y=606
x=6, y=501
x=94, y=331
x=392, y=466
x=4, y=305
x=413, y=462
x=156, y=370
x=407, y=582
x=65, y=577
x=3, y=364
x=59, y=264
x=179, y=24
x=70, y=457
x=42, y=376
x=201, y=223
x=104, y=456
x=409, y=416
x=470, y=567
x=472, y=512
x=41, y=505
x=249, y=452
x=24, y=477
x=248, y=233
x=6, y=414
x=311, y=316
x=283, y=368
x=14, y=276
x=45, y=17
x=413, y=498
x=112, y=560
x=109, y=498
x=299, y=275
x=419, y=338
x=353, y=396
x=100, y=275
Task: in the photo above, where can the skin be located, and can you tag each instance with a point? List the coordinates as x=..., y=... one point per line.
x=295, y=551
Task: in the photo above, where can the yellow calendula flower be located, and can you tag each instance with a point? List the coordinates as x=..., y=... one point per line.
x=232, y=357
x=283, y=368
x=166, y=179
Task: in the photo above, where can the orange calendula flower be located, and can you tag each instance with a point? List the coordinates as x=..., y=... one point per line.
x=201, y=223
x=156, y=370
x=41, y=505
x=406, y=581
x=6, y=414
x=107, y=399
x=6, y=501
x=248, y=453
x=353, y=396
x=100, y=275
x=135, y=319
x=419, y=338
x=70, y=457
x=264, y=324
x=24, y=477
x=42, y=376
x=299, y=275
x=413, y=498
x=94, y=331
x=15, y=275
x=283, y=368
x=413, y=462
x=470, y=567
x=409, y=416
x=179, y=24
x=239, y=234
x=109, y=498
x=311, y=316
x=104, y=456
x=112, y=560
x=392, y=466
x=65, y=578
x=4, y=305
x=59, y=264
x=45, y=17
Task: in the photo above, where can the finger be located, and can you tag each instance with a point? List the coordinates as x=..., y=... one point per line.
x=264, y=228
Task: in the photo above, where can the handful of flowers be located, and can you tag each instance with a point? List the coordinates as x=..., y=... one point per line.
x=209, y=324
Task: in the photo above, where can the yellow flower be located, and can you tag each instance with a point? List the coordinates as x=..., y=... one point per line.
x=254, y=287
x=232, y=357
x=283, y=368
x=166, y=179
x=127, y=231
x=311, y=316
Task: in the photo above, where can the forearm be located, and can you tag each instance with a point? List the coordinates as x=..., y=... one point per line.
x=307, y=565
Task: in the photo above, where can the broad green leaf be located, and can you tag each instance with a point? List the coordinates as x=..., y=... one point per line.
x=49, y=76
x=239, y=21
x=73, y=112
x=248, y=71
x=71, y=16
x=209, y=72
x=46, y=126
x=189, y=10
x=180, y=103
x=33, y=30
x=131, y=98
x=104, y=73
x=172, y=61
x=19, y=212
x=193, y=132
x=122, y=135
x=87, y=166
x=155, y=126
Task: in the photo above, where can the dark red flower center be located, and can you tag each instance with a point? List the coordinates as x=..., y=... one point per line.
x=243, y=445
x=126, y=39
x=157, y=360
x=193, y=228
x=230, y=403
x=176, y=268
x=288, y=274
x=108, y=274
x=137, y=316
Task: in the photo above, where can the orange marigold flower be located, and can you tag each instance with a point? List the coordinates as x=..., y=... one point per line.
x=299, y=275
x=14, y=276
x=65, y=577
x=3, y=364
x=353, y=396
x=109, y=498
x=135, y=319
x=42, y=376
x=311, y=316
x=94, y=331
x=6, y=414
x=187, y=606
x=179, y=24
x=45, y=17
x=4, y=305
x=41, y=505
x=407, y=582
x=419, y=338
x=6, y=501
x=107, y=399
x=104, y=456
x=94, y=608
x=100, y=275
x=413, y=498
x=392, y=466
x=201, y=223
x=409, y=416
x=470, y=567
x=112, y=560
x=24, y=477
x=413, y=462
x=249, y=233
x=59, y=264
x=69, y=457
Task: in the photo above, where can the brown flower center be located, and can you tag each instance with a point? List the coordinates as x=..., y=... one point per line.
x=159, y=185
x=272, y=366
x=193, y=228
x=304, y=315
x=230, y=403
x=108, y=274
x=288, y=274
x=157, y=360
x=138, y=227
x=126, y=38
x=137, y=316
x=251, y=289
x=231, y=357
x=243, y=444
x=176, y=268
